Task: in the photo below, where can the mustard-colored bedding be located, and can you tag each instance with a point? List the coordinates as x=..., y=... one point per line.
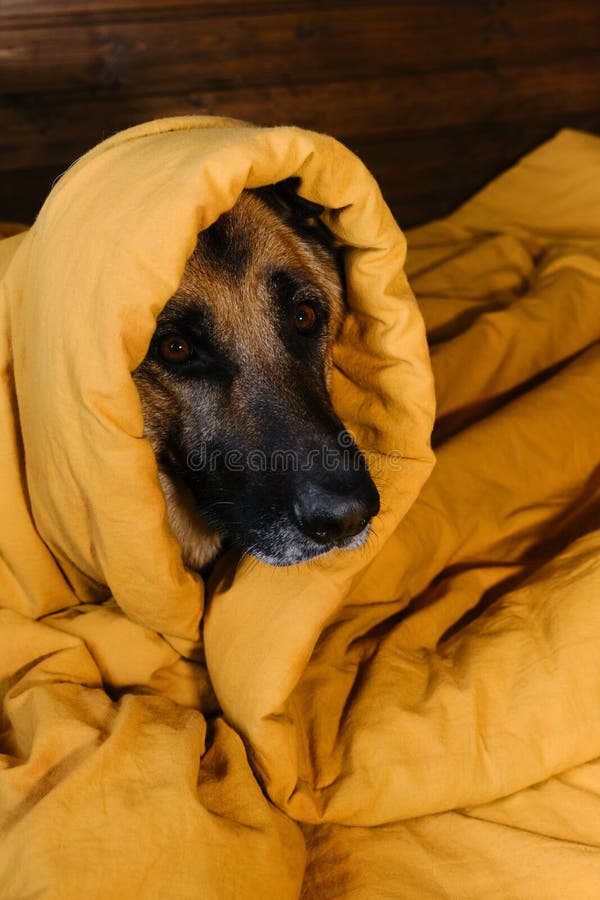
x=418, y=718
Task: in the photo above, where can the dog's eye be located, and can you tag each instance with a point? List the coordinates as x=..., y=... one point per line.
x=174, y=349
x=305, y=318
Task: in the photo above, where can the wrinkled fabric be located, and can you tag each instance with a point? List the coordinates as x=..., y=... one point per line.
x=418, y=718
x=119, y=775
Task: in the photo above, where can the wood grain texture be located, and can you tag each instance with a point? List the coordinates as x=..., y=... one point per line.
x=436, y=97
x=284, y=47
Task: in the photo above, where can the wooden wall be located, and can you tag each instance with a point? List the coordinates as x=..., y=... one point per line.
x=437, y=97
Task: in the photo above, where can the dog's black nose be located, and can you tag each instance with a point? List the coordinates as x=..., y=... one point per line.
x=327, y=516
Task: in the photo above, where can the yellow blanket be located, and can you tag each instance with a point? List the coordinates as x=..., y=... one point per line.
x=418, y=718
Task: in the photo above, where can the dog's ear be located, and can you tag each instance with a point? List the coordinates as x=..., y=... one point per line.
x=283, y=198
x=301, y=214
x=286, y=192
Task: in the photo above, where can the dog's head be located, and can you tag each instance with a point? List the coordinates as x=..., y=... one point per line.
x=234, y=391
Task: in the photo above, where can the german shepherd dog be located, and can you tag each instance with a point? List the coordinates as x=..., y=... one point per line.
x=234, y=391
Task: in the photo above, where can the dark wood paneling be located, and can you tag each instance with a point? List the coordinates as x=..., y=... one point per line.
x=437, y=97
x=54, y=127
x=286, y=47
x=92, y=9
x=423, y=175
x=427, y=175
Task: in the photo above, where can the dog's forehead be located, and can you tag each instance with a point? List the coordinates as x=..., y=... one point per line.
x=230, y=277
x=228, y=247
x=251, y=240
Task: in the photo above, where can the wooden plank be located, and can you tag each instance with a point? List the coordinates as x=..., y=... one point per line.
x=286, y=47
x=422, y=176
x=512, y=17
x=63, y=11
x=82, y=8
x=247, y=51
x=428, y=175
x=23, y=191
x=55, y=128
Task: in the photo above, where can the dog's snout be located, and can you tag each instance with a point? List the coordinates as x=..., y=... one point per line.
x=328, y=516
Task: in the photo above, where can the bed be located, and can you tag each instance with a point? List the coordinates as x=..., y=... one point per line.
x=417, y=720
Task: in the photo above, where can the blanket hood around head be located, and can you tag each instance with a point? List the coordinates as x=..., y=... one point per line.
x=80, y=294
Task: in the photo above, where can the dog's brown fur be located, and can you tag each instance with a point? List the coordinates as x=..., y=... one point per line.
x=264, y=385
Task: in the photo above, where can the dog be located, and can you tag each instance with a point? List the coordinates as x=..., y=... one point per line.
x=234, y=391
